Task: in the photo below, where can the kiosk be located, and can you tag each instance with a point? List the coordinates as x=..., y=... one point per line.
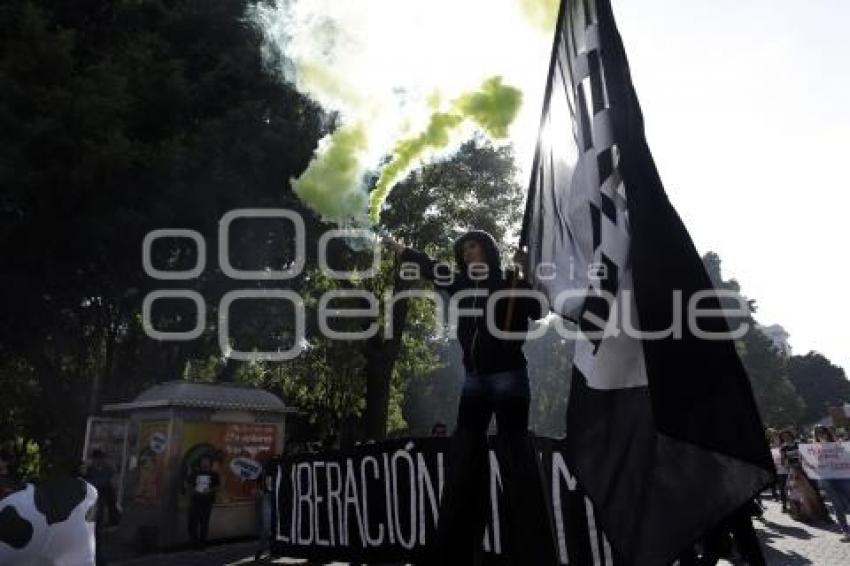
x=168, y=428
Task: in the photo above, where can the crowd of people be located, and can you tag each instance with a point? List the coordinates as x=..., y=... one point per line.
x=802, y=497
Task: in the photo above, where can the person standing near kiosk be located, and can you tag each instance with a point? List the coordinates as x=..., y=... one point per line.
x=265, y=494
x=203, y=482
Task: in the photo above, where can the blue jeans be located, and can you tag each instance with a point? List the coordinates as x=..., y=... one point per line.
x=504, y=393
x=465, y=503
x=838, y=493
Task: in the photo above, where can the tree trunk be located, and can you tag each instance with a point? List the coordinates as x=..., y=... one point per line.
x=103, y=373
x=381, y=355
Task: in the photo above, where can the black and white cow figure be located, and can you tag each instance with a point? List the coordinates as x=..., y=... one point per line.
x=49, y=524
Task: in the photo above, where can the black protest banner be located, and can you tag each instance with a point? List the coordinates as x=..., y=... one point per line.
x=379, y=502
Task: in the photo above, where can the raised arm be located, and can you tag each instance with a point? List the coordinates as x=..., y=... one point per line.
x=440, y=274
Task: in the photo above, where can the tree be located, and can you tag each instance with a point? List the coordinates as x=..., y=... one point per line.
x=820, y=383
x=778, y=402
x=120, y=118
x=432, y=397
x=550, y=373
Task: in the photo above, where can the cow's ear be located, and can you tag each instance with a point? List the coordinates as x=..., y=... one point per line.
x=56, y=499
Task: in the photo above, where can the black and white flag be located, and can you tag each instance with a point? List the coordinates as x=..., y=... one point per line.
x=662, y=428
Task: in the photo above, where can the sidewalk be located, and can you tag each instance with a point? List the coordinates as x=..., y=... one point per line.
x=231, y=554
x=786, y=543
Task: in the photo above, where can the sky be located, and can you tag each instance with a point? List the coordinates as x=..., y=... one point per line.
x=745, y=110
x=742, y=101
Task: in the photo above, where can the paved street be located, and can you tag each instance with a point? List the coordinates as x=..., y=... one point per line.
x=790, y=543
x=786, y=542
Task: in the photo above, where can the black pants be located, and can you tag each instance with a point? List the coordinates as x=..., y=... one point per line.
x=200, y=509
x=107, y=504
x=740, y=526
x=528, y=536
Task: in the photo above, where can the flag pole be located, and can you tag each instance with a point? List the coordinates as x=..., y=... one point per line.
x=511, y=300
x=547, y=95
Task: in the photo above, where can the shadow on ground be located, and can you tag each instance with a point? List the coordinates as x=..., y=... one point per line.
x=774, y=556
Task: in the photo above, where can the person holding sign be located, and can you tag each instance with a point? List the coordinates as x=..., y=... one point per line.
x=837, y=489
x=804, y=502
x=496, y=383
x=779, y=487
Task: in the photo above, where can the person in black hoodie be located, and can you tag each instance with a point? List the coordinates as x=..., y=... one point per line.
x=496, y=383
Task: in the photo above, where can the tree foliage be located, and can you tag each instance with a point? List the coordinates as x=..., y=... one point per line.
x=820, y=383
x=119, y=118
x=767, y=367
x=779, y=403
x=124, y=117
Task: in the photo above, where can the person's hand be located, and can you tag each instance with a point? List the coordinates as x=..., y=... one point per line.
x=393, y=245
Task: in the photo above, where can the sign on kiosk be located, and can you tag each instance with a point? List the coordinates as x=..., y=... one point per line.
x=238, y=450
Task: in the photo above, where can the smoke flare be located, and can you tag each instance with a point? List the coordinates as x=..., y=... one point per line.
x=542, y=13
x=331, y=184
x=493, y=109
x=382, y=66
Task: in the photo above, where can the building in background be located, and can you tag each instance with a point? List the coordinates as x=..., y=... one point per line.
x=779, y=336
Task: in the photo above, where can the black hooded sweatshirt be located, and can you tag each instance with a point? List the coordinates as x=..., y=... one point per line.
x=483, y=352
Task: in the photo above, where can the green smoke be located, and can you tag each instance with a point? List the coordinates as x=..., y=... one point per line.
x=541, y=13
x=332, y=183
x=492, y=108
